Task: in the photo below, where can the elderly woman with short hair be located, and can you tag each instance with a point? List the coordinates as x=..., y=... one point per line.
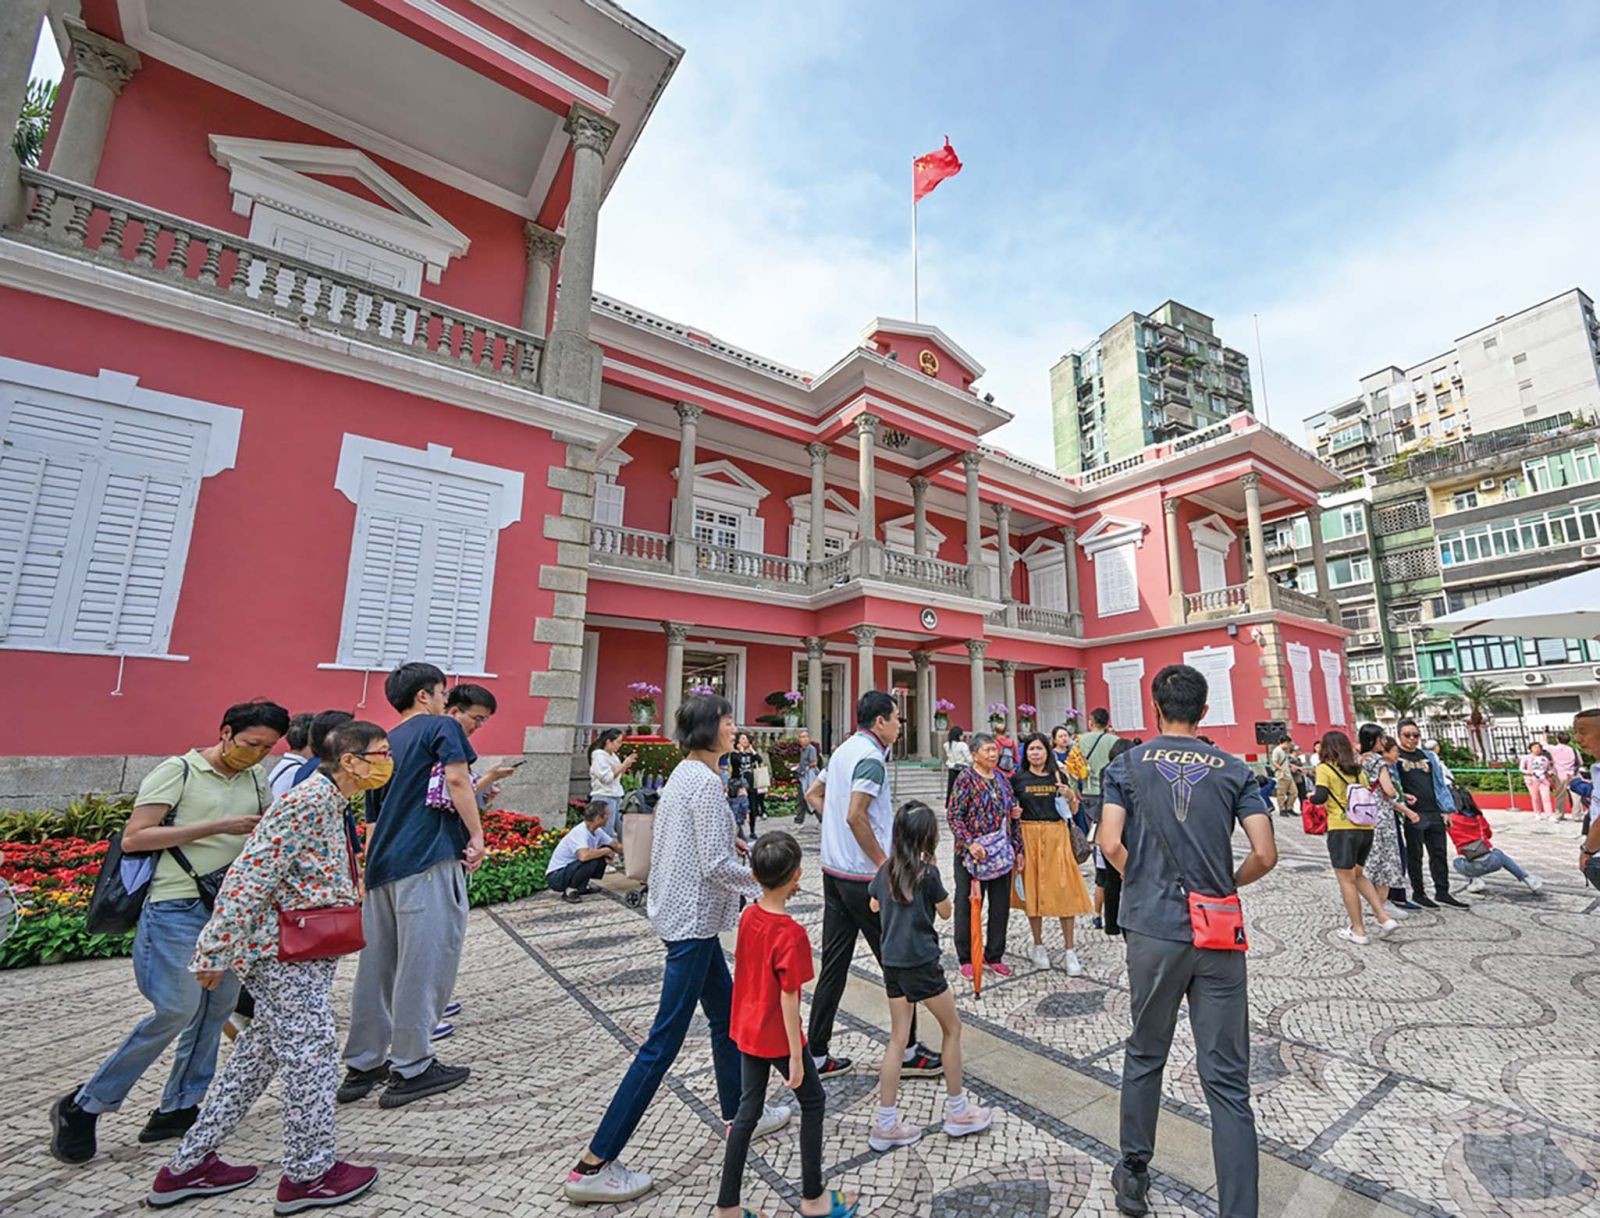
x=981, y=805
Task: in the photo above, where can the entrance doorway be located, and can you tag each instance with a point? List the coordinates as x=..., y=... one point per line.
x=903, y=687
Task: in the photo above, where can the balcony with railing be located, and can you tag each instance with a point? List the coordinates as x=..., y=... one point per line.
x=1038, y=619
x=131, y=238
x=1292, y=600
x=1217, y=603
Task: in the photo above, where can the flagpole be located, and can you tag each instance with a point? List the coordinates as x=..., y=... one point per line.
x=914, y=298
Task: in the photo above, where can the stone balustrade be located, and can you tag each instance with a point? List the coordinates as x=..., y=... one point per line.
x=1229, y=601
x=108, y=230
x=930, y=572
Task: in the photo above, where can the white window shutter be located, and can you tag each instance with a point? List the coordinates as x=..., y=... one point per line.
x=40, y=496
x=1216, y=665
x=608, y=502
x=1213, y=568
x=381, y=599
x=458, y=598
x=752, y=534
x=1333, y=685
x=1047, y=587
x=1299, y=655
x=1116, y=580
x=137, y=531
x=1124, y=679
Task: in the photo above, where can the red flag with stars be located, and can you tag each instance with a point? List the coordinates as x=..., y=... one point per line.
x=929, y=170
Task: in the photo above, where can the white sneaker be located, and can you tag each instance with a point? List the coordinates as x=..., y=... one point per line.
x=1394, y=911
x=1350, y=936
x=1039, y=956
x=613, y=1182
x=973, y=1120
x=898, y=1134
x=773, y=1118
x=1533, y=882
x=1387, y=925
x=1477, y=885
x=1072, y=964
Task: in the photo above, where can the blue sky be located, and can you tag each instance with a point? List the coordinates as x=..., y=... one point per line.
x=1371, y=179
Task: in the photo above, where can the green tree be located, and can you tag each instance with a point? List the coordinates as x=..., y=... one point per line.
x=1483, y=700
x=34, y=121
x=1366, y=708
x=1403, y=700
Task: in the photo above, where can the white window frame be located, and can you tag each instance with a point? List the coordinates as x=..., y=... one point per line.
x=1128, y=676
x=738, y=669
x=1216, y=665
x=839, y=525
x=721, y=486
x=1213, y=542
x=1333, y=685
x=215, y=430
x=356, y=454
x=610, y=496
x=1045, y=686
x=1299, y=659
x=1046, y=562
x=900, y=535
x=1120, y=540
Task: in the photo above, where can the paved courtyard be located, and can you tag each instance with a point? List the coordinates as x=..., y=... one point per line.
x=1451, y=1070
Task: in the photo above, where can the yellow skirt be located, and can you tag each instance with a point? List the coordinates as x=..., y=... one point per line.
x=1051, y=882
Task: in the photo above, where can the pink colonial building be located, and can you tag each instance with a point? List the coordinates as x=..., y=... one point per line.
x=289, y=394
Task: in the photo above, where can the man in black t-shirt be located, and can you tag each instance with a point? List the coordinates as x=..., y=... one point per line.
x=1171, y=807
x=1423, y=786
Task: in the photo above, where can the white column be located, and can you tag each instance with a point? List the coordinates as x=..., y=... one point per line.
x=924, y=703
x=543, y=247
x=672, y=686
x=1069, y=542
x=1319, y=559
x=683, y=505
x=919, y=516
x=100, y=67
x=867, y=474
x=1080, y=695
x=818, y=452
x=20, y=22
x=975, y=650
x=977, y=583
x=814, y=652
x=865, y=637
x=1258, y=540
x=1008, y=694
x=572, y=362
x=1174, y=562
x=1002, y=528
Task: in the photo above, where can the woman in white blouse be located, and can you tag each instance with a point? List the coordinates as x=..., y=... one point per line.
x=957, y=757
x=605, y=776
x=697, y=875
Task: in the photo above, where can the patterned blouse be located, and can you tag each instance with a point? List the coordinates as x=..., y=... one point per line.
x=696, y=875
x=298, y=857
x=980, y=805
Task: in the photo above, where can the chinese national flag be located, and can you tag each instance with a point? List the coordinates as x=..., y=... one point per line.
x=929, y=170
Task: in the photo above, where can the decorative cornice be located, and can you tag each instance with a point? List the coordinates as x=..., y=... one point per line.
x=677, y=632
x=590, y=129
x=541, y=243
x=99, y=58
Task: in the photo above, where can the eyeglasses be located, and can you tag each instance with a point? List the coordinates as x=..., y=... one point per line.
x=374, y=753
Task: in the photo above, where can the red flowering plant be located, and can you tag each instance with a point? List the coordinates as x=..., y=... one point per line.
x=52, y=881
x=517, y=850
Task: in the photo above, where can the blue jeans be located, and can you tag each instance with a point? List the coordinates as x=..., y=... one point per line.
x=1495, y=860
x=613, y=813
x=696, y=974
x=163, y=948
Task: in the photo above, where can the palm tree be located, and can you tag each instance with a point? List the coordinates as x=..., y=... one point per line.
x=1366, y=708
x=1483, y=700
x=34, y=121
x=1405, y=701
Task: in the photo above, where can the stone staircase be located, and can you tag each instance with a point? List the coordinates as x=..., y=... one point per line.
x=924, y=780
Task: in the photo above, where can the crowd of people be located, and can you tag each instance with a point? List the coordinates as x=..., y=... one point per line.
x=361, y=838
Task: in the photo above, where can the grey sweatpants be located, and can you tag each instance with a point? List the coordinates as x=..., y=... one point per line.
x=1161, y=974
x=414, y=929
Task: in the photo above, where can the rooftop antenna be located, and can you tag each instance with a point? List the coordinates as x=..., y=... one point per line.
x=1261, y=366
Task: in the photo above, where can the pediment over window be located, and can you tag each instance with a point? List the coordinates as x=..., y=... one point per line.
x=725, y=481
x=1213, y=532
x=342, y=189
x=1111, y=531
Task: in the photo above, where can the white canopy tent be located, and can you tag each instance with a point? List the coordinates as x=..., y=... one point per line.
x=1566, y=608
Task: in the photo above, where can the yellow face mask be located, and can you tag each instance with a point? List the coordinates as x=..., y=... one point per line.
x=239, y=756
x=380, y=770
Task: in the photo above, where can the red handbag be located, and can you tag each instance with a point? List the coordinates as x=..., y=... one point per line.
x=325, y=932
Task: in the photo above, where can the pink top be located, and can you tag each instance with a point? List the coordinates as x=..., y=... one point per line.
x=1565, y=759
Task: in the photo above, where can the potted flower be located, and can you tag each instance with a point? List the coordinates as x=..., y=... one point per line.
x=696, y=691
x=1025, y=716
x=997, y=714
x=941, y=713
x=793, y=700
x=642, y=705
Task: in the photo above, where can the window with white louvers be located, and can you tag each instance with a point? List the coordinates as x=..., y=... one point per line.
x=1305, y=710
x=97, y=502
x=1116, y=582
x=1213, y=568
x=1124, y=694
x=609, y=498
x=1216, y=665
x=1333, y=684
x=421, y=569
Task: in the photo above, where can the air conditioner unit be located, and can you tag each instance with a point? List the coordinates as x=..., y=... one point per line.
x=1369, y=639
x=1533, y=678
x=1488, y=484
x=1375, y=689
x=1591, y=551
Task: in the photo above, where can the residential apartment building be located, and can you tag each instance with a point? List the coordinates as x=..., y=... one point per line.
x=1455, y=526
x=1151, y=377
x=288, y=394
x=1538, y=363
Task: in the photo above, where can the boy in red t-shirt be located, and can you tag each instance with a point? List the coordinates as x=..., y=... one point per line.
x=770, y=964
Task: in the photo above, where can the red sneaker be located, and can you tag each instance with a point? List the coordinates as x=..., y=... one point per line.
x=340, y=1183
x=206, y=1178
x=1000, y=968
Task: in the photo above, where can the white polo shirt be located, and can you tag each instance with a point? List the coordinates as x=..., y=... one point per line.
x=860, y=764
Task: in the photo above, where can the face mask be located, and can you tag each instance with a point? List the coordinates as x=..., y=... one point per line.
x=239, y=756
x=380, y=771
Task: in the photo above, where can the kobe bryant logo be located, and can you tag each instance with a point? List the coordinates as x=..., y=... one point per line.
x=1181, y=777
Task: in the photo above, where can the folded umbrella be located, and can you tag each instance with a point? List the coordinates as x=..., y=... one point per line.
x=977, y=939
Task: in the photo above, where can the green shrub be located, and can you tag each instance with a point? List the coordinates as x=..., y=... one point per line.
x=509, y=879
x=50, y=938
x=25, y=826
x=655, y=760
x=93, y=818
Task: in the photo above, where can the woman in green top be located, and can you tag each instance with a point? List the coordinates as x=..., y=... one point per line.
x=1349, y=844
x=214, y=796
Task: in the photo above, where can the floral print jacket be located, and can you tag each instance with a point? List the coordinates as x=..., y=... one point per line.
x=980, y=805
x=298, y=857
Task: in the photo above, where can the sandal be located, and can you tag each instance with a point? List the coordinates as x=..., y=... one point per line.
x=840, y=1209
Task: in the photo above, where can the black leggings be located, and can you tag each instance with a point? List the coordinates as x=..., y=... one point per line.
x=752, y=1098
x=998, y=893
